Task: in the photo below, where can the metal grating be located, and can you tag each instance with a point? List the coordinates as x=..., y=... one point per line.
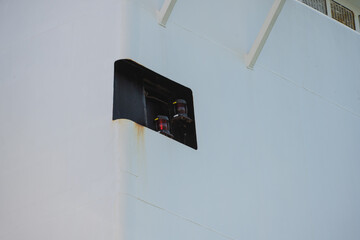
x=342, y=14
x=319, y=5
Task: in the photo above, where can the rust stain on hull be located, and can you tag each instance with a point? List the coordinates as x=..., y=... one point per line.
x=140, y=139
x=139, y=132
x=141, y=153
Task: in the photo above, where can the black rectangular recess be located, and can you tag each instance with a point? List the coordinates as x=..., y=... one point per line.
x=141, y=94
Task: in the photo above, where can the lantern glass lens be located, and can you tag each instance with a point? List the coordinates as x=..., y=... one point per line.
x=180, y=107
x=163, y=124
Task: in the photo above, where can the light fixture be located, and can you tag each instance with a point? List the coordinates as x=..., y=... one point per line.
x=181, y=111
x=163, y=125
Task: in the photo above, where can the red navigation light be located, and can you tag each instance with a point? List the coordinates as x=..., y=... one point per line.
x=163, y=125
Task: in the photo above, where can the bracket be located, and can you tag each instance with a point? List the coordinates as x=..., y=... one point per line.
x=164, y=13
x=265, y=30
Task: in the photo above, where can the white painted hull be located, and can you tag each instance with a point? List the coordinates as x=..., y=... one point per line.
x=278, y=146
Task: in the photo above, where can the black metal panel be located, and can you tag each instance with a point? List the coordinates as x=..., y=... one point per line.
x=141, y=95
x=128, y=94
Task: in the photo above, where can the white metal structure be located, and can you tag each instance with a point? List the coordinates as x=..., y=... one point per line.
x=264, y=33
x=278, y=146
x=165, y=11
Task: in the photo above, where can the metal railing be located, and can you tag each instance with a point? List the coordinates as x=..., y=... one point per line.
x=342, y=14
x=319, y=5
